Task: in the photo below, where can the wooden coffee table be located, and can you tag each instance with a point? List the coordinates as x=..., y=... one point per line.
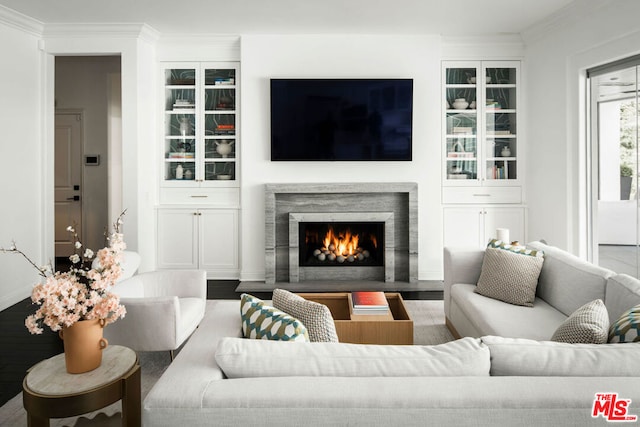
x=393, y=328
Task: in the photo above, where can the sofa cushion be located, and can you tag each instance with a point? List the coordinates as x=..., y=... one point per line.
x=589, y=324
x=567, y=282
x=315, y=316
x=262, y=321
x=627, y=327
x=524, y=357
x=622, y=292
x=240, y=358
x=509, y=276
x=475, y=315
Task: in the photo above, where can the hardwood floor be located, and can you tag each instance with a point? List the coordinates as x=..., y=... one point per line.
x=21, y=350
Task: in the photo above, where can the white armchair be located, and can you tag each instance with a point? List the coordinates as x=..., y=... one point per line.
x=163, y=309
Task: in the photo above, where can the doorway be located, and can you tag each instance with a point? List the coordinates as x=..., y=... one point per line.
x=615, y=213
x=87, y=103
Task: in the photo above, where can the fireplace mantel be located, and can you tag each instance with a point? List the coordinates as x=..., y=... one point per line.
x=281, y=200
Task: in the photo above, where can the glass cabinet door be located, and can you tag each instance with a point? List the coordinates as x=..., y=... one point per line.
x=200, y=125
x=180, y=124
x=500, y=108
x=220, y=124
x=461, y=93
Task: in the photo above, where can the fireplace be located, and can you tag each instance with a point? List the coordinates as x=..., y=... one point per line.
x=321, y=246
x=341, y=244
x=390, y=208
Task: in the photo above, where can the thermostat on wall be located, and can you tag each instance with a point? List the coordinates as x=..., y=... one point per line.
x=92, y=160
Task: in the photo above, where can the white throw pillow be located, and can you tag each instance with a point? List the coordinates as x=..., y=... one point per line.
x=315, y=316
x=589, y=325
x=509, y=276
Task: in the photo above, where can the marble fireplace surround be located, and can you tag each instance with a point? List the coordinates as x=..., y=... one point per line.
x=395, y=204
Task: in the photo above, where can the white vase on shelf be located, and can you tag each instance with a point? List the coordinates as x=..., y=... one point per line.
x=460, y=104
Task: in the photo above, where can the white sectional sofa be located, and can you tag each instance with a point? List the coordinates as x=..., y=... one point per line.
x=565, y=284
x=219, y=379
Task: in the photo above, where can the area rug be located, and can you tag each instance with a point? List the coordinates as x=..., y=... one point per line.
x=428, y=329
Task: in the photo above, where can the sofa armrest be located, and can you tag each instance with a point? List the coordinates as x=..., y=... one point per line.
x=461, y=265
x=180, y=283
x=149, y=325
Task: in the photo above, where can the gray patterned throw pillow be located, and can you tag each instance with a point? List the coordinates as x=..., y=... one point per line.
x=510, y=277
x=315, y=316
x=588, y=325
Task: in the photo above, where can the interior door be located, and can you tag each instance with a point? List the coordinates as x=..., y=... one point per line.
x=68, y=180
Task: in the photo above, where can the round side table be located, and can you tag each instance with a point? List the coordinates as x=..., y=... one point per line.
x=50, y=392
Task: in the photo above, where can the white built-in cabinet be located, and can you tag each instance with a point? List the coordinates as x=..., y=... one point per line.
x=474, y=226
x=482, y=152
x=202, y=238
x=197, y=217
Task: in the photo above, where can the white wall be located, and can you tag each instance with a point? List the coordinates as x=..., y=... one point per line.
x=21, y=173
x=557, y=55
x=266, y=56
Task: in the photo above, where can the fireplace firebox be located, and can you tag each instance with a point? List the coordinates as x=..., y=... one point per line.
x=341, y=244
x=375, y=234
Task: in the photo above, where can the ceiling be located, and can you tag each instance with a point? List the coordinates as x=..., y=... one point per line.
x=445, y=17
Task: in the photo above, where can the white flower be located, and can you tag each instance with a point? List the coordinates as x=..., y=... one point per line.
x=70, y=228
x=88, y=253
x=75, y=258
x=78, y=245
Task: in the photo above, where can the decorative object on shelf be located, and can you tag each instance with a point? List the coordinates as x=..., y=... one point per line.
x=83, y=345
x=471, y=80
x=224, y=147
x=223, y=176
x=472, y=105
x=188, y=174
x=460, y=104
x=185, y=126
x=82, y=294
x=506, y=151
x=179, y=172
x=488, y=79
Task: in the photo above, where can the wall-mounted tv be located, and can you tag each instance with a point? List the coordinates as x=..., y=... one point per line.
x=341, y=119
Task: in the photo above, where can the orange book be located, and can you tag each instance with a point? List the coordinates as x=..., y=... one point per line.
x=369, y=300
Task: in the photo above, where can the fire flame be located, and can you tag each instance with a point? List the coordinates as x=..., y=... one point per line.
x=342, y=243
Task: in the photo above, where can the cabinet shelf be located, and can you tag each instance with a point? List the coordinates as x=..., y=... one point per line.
x=498, y=135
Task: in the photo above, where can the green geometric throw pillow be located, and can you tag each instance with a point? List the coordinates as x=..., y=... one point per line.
x=499, y=244
x=261, y=321
x=627, y=327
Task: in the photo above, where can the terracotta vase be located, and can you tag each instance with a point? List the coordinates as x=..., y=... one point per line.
x=83, y=345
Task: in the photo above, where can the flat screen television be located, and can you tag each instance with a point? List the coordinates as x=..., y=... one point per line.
x=341, y=119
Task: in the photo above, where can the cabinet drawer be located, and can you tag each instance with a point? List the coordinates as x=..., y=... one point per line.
x=481, y=195
x=229, y=197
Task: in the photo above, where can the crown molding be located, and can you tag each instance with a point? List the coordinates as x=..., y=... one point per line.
x=482, y=46
x=21, y=22
x=195, y=47
x=570, y=14
x=140, y=31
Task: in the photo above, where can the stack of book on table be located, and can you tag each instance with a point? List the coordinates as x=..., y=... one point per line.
x=368, y=302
